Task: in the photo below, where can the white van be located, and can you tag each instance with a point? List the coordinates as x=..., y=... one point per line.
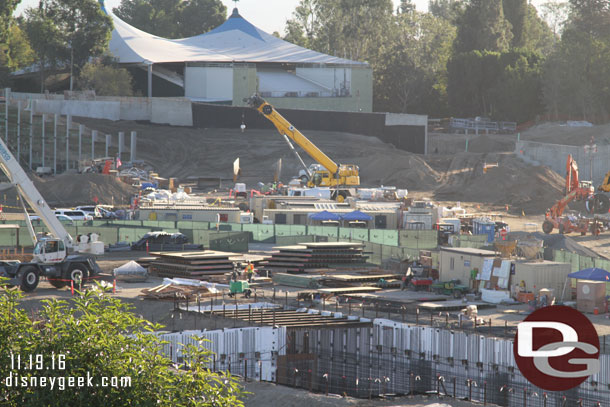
x=75, y=214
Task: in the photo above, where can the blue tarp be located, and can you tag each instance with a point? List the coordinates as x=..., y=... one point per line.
x=357, y=215
x=324, y=215
x=594, y=274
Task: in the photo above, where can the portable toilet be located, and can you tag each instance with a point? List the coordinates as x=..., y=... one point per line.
x=482, y=226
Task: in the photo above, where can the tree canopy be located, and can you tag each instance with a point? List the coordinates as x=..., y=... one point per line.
x=173, y=18
x=97, y=336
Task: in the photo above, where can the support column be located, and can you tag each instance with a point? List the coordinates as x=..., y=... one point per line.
x=150, y=76
x=31, y=134
x=68, y=125
x=7, y=98
x=93, y=138
x=132, y=148
x=55, y=118
x=81, y=130
x=18, y=130
x=108, y=141
x=121, y=144
x=44, y=119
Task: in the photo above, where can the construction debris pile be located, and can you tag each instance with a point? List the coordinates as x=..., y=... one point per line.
x=178, y=289
x=311, y=257
x=199, y=265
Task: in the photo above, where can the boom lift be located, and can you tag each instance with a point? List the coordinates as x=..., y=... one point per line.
x=51, y=257
x=574, y=190
x=331, y=174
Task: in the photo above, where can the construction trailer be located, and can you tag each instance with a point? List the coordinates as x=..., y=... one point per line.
x=456, y=263
x=420, y=212
x=197, y=213
x=542, y=274
x=383, y=218
x=258, y=203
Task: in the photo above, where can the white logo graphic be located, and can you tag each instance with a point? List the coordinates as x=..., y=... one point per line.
x=525, y=332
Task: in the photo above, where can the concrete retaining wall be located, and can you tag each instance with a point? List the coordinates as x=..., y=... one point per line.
x=172, y=111
x=83, y=108
x=554, y=156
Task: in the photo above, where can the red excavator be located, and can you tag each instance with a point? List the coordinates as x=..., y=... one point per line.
x=574, y=190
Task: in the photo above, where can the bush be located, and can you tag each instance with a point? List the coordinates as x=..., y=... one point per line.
x=97, y=336
x=105, y=80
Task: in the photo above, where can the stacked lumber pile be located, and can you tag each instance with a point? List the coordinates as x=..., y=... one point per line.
x=197, y=265
x=311, y=257
x=171, y=292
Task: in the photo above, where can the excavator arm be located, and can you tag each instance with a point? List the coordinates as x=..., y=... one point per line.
x=28, y=192
x=284, y=127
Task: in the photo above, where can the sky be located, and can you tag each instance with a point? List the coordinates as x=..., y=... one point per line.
x=268, y=15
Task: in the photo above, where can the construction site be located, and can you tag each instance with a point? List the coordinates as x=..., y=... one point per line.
x=342, y=258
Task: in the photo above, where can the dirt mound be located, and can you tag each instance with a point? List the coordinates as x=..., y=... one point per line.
x=80, y=189
x=487, y=144
x=560, y=133
x=523, y=187
x=211, y=152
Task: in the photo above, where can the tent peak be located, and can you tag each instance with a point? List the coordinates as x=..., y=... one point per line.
x=235, y=14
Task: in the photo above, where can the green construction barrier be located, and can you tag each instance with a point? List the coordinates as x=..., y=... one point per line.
x=201, y=236
x=229, y=242
x=376, y=236
x=290, y=230
x=293, y=240
x=390, y=237
x=435, y=260
x=201, y=225
x=188, y=233
x=131, y=234
x=260, y=233
x=418, y=239
x=108, y=235
x=184, y=224
x=8, y=238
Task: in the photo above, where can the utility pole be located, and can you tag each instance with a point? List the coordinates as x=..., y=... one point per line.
x=590, y=150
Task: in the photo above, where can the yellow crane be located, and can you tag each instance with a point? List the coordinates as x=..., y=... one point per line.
x=337, y=176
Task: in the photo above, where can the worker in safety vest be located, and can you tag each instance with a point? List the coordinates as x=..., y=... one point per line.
x=249, y=271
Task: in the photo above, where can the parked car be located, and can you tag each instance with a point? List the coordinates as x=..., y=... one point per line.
x=75, y=214
x=97, y=211
x=66, y=220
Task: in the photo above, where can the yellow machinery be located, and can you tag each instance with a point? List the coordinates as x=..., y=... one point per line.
x=332, y=174
x=605, y=186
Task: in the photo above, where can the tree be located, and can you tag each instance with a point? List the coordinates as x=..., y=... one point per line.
x=46, y=40
x=105, y=79
x=172, y=18
x=555, y=15
x=67, y=32
x=353, y=29
x=97, y=335
x=515, y=11
x=410, y=74
x=20, y=53
x=449, y=10
x=483, y=27
x=505, y=86
x=7, y=7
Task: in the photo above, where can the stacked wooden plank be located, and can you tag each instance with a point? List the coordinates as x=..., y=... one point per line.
x=198, y=265
x=311, y=257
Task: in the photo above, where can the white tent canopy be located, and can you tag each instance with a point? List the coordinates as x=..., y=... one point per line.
x=236, y=40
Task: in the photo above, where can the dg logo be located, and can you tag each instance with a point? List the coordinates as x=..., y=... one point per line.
x=556, y=348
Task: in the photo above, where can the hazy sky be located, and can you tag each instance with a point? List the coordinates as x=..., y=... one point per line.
x=268, y=15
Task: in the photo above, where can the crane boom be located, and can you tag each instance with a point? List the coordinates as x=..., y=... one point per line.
x=28, y=192
x=284, y=127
